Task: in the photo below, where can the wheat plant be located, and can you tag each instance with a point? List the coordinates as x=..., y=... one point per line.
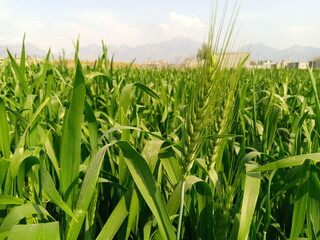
x=96, y=151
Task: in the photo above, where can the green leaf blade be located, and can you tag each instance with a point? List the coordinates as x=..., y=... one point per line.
x=251, y=192
x=146, y=184
x=71, y=139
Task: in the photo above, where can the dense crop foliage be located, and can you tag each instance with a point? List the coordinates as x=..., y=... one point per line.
x=99, y=152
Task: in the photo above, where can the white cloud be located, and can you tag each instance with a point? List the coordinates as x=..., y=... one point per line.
x=180, y=25
x=183, y=21
x=300, y=29
x=59, y=28
x=93, y=25
x=96, y=25
x=164, y=26
x=14, y=25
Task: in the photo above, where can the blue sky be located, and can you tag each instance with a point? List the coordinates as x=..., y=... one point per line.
x=277, y=23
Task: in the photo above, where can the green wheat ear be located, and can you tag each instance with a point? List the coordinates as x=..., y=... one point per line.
x=212, y=102
x=210, y=109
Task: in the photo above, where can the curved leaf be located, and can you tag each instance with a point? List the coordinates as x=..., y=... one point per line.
x=116, y=218
x=145, y=182
x=20, y=212
x=51, y=191
x=288, y=162
x=250, y=196
x=86, y=192
x=40, y=231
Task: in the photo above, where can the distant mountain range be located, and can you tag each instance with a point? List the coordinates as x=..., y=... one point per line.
x=296, y=53
x=15, y=50
x=172, y=51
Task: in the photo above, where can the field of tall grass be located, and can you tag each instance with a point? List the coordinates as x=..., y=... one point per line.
x=97, y=152
x=100, y=152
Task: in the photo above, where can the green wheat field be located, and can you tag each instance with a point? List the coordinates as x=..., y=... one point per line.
x=102, y=152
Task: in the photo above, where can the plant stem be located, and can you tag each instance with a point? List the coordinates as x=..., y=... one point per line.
x=181, y=208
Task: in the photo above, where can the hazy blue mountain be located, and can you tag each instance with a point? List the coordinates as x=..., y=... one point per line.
x=178, y=49
x=297, y=53
x=31, y=50
x=172, y=51
x=300, y=53
x=90, y=52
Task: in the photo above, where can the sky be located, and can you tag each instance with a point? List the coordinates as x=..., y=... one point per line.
x=56, y=24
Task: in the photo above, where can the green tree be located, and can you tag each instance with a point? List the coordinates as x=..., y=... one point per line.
x=204, y=51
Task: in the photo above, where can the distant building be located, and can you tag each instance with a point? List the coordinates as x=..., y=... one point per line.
x=231, y=60
x=267, y=64
x=314, y=64
x=284, y=63
x=293, y=65
x=303, y=65
x=299, y=65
